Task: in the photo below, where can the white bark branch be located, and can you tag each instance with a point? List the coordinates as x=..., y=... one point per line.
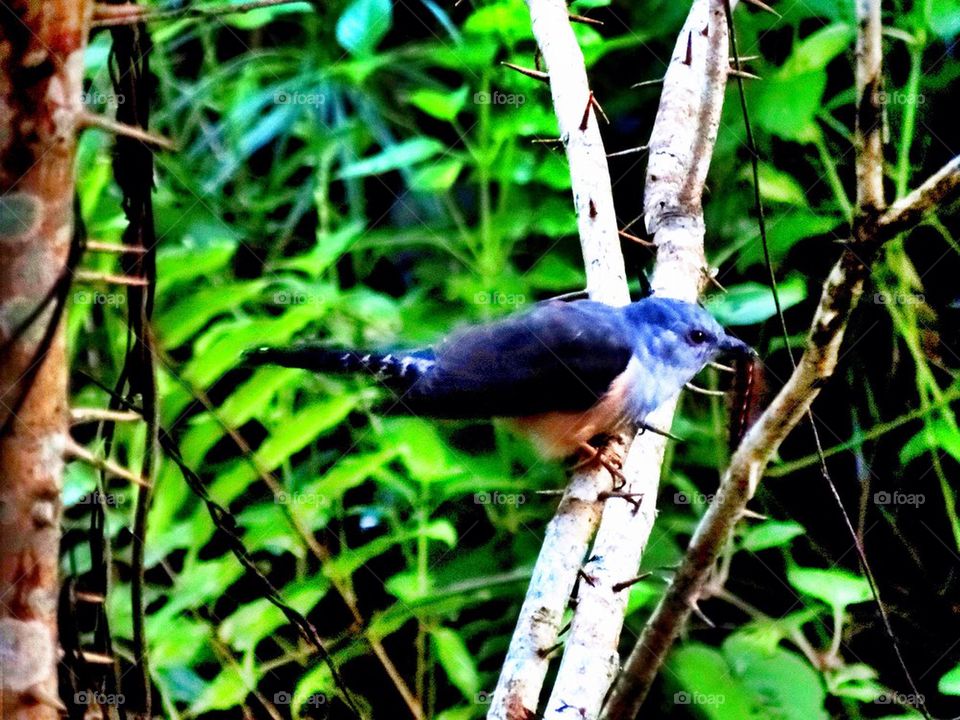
x=681, y=146
x=568, y=534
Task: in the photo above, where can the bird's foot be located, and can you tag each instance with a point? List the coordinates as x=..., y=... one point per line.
x=606, y=458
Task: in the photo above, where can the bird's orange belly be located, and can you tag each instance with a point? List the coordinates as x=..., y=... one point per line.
x=559, y=434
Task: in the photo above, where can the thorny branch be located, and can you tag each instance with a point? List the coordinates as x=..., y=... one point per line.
x=568, y=533
x=680, y=155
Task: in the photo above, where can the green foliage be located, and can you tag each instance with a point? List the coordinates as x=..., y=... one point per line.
x=351, y=175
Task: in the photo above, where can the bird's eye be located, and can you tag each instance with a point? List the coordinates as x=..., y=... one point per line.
x=697, y=337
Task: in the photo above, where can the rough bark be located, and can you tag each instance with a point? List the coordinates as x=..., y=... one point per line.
x=41, y=69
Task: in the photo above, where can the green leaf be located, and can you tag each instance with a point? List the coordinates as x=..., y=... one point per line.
x=771, y=534
x=179, y=322
x=439, y=104
x=750, y=303
x=290, y=436
x=816, y=51
x=836, y=587
x=787, y=107
x=228, y=689
x=437, y=177
x=507, y=20
x=456, y=660
x=936, y=434
x=777, y=185
x=944, y=18
x=363, y=25
x=252, y=622
x=189, y=261
x=784, y=231
x=950, y=683
x=783, y=683
x=326, y=250
x=394, y=157
x=258, y=17
x=706, y=682
x=858, y=681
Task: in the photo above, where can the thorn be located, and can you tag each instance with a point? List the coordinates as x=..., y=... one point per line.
x=631, y=151
x=535, y=74
x=596, y=104
x=632, y=222
x=752, y=514
x=548, y=141
x=78, y=452
x=703, y=391
x=620, y=586
x=97, y=246
x=547, y=652
x=575, y=295
x=695, y=608
x=733, y=72
x=81, y=415
x=44, y=697
x=584, y=20
x=721, y=368
x=763, y=6
x=634, y=238
x=593, y=209
x=634, y=498
x=586, y=113
x=588, y=579
x=646, y=83
x=96, y=277
x=744, y=58
x=89, y=597
x=711, y=276
x=92, y=120
x=550, y=492
x=95, y=658
x=643, y=427
x=688, y=60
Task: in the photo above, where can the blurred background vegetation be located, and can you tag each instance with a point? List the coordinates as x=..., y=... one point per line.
x=366, y=172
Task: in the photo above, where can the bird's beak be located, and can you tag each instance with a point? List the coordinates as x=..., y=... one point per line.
x=734, y=346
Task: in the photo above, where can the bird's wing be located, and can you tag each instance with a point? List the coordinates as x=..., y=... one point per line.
x=556, y=357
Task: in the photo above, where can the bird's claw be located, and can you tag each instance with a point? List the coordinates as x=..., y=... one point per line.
x=607, y=459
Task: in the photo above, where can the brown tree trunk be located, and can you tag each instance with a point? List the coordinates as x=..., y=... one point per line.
x=41, y=71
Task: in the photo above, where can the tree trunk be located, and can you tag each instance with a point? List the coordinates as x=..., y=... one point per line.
x=41, y=71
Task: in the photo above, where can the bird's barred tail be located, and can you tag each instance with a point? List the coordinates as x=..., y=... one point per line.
x=404, y=367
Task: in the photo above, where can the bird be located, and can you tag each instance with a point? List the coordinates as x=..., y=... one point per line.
x=563, y=373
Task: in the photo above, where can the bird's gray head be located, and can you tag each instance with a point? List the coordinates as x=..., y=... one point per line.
x=674, y=340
